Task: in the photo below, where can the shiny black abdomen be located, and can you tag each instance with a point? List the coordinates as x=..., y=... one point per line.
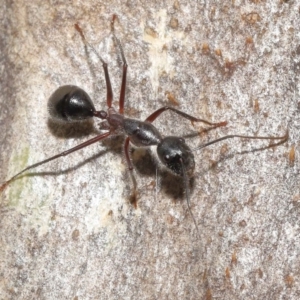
x=70, y=103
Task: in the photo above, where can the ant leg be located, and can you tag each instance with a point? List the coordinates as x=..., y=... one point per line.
x=124, y=73
x=123, y=87
x=133, y=197
x=109, y=93
x=67, y=152
x=282, y=138
x=157, y=113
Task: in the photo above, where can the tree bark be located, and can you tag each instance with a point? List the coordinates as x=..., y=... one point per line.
x=67, y=229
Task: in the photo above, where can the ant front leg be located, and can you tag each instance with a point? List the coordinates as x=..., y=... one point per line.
x=157, y=113
x=282, y=139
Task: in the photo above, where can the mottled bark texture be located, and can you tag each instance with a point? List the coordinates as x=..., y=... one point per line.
x=67, y=229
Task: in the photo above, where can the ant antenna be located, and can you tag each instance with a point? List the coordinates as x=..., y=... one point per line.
x=187, y=193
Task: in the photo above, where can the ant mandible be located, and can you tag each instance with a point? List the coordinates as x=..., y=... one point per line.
x=70, y=104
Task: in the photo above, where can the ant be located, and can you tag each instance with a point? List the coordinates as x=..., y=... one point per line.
x=70, y=104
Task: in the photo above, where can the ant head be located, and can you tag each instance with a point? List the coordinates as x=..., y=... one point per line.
x=70, y=103
x=175, y=154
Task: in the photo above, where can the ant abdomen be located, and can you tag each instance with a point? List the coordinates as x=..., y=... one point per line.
x=176, y=155
x=70, y=103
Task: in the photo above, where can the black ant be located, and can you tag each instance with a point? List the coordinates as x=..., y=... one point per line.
x=70, y=103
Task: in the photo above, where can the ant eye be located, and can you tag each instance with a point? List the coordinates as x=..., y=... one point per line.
x=167, y=157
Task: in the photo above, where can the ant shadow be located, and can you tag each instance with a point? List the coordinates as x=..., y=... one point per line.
x=72, y=129
x=226, y=157
x=64, y=171
x=146, y=165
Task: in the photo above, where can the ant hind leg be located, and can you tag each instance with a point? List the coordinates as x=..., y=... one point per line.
x=65, y=153
x=109, y=93
x=124, y=72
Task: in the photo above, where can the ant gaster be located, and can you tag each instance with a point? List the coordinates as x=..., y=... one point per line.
x=71, y=103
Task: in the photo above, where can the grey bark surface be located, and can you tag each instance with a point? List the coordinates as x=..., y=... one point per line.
x=67, y=229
